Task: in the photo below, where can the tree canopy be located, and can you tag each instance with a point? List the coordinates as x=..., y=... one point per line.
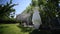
x=7, y=11
x=48, y=10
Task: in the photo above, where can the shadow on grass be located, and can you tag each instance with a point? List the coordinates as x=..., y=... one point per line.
x=25, y=29
x=45, y=32
x=2, y=29
x=37, y=31
x=34, y=31
x=1, y=32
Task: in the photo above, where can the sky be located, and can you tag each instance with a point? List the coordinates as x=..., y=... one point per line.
x=22, y=4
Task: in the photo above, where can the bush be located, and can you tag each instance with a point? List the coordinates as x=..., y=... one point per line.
x=8, y=21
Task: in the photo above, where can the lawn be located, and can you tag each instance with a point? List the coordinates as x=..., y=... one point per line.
x=13, y=29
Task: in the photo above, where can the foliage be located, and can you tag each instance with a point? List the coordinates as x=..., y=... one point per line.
x=48, y=11
x=6, y=10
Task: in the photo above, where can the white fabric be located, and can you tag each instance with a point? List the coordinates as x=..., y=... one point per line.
x=36, y=19
x=36, y=26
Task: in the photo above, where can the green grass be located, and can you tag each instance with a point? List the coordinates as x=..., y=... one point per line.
x=12, y=29
x=15, y=29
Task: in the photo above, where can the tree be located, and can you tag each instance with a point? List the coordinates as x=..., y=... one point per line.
x=6, y=9
x=48, y=11
x=5, y=12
